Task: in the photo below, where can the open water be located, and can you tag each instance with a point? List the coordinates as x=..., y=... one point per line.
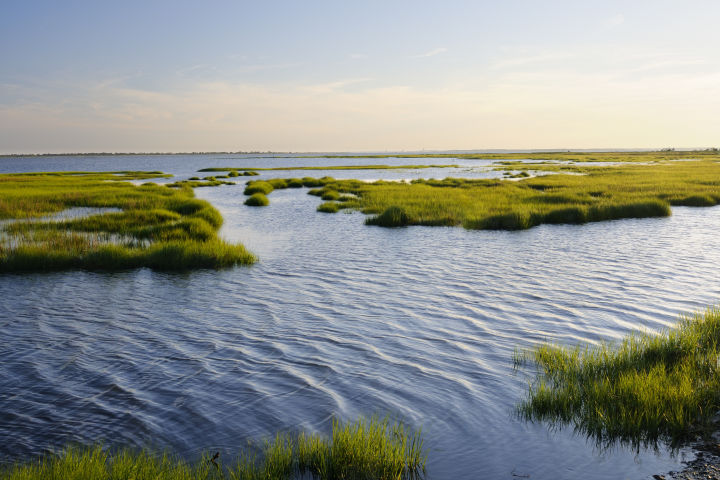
x=339, y=319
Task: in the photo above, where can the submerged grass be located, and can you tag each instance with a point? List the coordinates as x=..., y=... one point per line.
x=597, y=193
x=157, y=227
x=650, y=388
x=362, y=450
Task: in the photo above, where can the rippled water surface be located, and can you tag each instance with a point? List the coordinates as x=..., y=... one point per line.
x=340, y=319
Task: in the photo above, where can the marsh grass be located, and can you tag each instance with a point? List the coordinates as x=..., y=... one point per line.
x=158, y=227
x=258, y=186
x=330, y=195
x=329, y=167
x=361, y=450
x=329, y=207
x=599, y=193
x=257, y=200
x=648, y=389
x=194, y=182
x=393, y=216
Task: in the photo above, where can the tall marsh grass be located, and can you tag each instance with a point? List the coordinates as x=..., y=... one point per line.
x=648, y=389
x=158, y=227
x=361, y=450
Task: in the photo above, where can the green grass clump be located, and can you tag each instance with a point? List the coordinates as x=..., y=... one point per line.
x=257, y=200
x=278, y=183
x=361, y=450
x=393, y=216
x=328, y=207
x=316, y=182
x=158, y=227
x=294, y=183
x=330, y=195
x=258, y=186
x=649, y=388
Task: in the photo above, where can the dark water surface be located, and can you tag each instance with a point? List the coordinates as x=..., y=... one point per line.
x=340, y=319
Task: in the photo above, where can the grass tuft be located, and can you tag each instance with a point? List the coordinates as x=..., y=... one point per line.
x=372, y=449
x=257, y=200
x=330, y=195
x=328, y=207
x=393, y=216
x=258, y=186
x=649, y=388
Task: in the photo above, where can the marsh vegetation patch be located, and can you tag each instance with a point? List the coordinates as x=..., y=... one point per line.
x=122, y=225
x=572, y=195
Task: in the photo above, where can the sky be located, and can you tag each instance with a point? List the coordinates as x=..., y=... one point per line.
x=320, y=76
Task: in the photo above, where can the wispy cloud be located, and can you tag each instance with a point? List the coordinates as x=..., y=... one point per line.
x=431, y=53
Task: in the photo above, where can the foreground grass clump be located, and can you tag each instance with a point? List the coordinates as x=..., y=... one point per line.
x=361, y=450
x=147, y=226
x=649, y=388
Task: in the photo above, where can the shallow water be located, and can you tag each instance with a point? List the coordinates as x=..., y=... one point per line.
x=341, y=319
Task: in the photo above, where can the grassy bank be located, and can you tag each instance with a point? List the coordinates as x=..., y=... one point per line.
x=156, y=226
x=589, y=194
x=647, y=389
x=362, y=450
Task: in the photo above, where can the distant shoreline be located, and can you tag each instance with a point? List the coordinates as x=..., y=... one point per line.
x=360, y=153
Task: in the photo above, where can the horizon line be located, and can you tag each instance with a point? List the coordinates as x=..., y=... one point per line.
x=372, y=152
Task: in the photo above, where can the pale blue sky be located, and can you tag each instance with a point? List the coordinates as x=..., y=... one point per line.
x=324, y=76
